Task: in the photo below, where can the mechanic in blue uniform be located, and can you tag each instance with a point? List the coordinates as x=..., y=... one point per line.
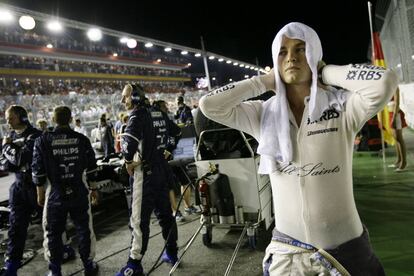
x=18, y=150
x=143, y=144
x=183, y=114
x=161, y=105
x=65, y=158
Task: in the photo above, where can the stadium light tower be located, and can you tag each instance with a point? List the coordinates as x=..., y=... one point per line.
x=148, y=45
x=123, y=40
x=94, y=34
x=131, y=43
x=54, y=26
x=6, y=16
x=27, y=22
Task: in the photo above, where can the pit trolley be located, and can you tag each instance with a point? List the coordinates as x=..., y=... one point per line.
x=227, y=151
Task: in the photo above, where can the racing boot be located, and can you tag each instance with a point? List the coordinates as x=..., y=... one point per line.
x=10, y=268
x=91, y=268
x=169, y=258
x=54, y=270
x=131, y=269
x=68, y=253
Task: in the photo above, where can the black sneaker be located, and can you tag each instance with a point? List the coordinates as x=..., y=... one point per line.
x=91, y=268
x=68, y=254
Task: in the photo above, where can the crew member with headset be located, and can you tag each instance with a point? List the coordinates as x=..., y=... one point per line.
x=142, y=145
x=18, y=151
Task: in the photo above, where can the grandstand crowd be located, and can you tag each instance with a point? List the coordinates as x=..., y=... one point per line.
x=40, y=82
x=74, y=42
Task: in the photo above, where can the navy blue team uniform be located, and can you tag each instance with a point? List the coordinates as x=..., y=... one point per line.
x=184, y=115
x=64, y=157
x=22, y=198
x=148, y=133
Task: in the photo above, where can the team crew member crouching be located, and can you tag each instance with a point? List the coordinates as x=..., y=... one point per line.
x=306, y=135
x=18, y=151
x=142, y=145
x=64, y=157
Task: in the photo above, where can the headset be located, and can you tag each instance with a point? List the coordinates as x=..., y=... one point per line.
x=21, y=113
x=137, y=94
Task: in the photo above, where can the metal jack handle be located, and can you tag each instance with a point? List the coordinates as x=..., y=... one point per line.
x=236, y=250
x=186, y=248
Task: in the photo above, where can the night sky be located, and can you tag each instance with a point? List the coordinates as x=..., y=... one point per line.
x=240, y=31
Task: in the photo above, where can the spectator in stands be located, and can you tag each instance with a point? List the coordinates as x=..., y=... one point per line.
x=17, y=148
x=306, y=138
x=64, y=157
x=79, y=127
x=143, y=146
x=183, y=114
x=398, y=123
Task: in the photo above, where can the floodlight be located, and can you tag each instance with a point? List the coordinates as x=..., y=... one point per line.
x=27, y=22
x=54, y=26
x=131, y=43
x=5, y=16
x=94, y=34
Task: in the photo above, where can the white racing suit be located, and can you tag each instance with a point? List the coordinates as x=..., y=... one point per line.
x=313, y=195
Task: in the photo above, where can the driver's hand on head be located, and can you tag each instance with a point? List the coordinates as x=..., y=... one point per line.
x=268, y=80
x=321, y=64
